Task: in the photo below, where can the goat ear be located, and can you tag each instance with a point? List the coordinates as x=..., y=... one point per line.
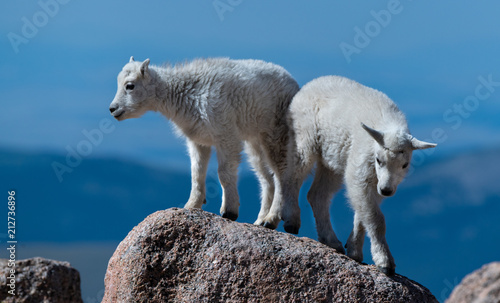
x=378, y=136
x=131, y=59
x=144, y=67
x=417, y=144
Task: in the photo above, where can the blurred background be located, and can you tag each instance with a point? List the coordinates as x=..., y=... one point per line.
x=83, y=180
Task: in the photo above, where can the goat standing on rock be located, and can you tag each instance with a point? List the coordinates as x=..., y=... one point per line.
x=328, y=118
x=222, y=103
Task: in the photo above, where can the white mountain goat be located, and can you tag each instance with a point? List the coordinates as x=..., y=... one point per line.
x=356, y=135
x=217, y=102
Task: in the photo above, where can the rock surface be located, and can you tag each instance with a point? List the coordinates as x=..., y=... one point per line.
x=40, y=280
x=481, y=286
x=180, y=255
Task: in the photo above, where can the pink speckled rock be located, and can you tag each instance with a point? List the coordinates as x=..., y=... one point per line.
x=481, y=286
x=41, y=280
x=181, y=255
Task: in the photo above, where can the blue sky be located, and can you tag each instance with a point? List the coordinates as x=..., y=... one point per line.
x=428, y=57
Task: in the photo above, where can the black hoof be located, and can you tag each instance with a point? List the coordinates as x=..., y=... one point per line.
x=387, y=271
x=229, y=215
x=204, y=201
x=269, y=225
x=291, y=229
x=340, y=250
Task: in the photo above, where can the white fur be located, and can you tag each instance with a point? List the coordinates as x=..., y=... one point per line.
x=329, y=119
x=222, y=103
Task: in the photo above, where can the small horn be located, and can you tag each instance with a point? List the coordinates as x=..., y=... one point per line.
x=417, y=144
x=377, y=135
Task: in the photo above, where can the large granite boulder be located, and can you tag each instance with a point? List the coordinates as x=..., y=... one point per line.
x=181, y=255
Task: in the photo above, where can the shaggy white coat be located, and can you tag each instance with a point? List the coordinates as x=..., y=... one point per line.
x=356, y=135
x=228, y=104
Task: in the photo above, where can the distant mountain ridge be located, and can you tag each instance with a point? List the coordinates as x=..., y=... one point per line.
x=441, y=224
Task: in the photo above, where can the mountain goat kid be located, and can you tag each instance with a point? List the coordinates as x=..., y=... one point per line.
x=217, y=102
x=356, y=135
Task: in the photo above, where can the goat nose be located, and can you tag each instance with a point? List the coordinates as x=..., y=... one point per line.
x=112, y=109
x=386, y=192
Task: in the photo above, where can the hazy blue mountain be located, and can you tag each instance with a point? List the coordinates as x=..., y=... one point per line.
x=445, y=220
x=442, y=223
x=101, y=199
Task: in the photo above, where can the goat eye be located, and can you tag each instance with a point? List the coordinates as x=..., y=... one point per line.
x=405, y=166
x=378, y=161
x=129, y=86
